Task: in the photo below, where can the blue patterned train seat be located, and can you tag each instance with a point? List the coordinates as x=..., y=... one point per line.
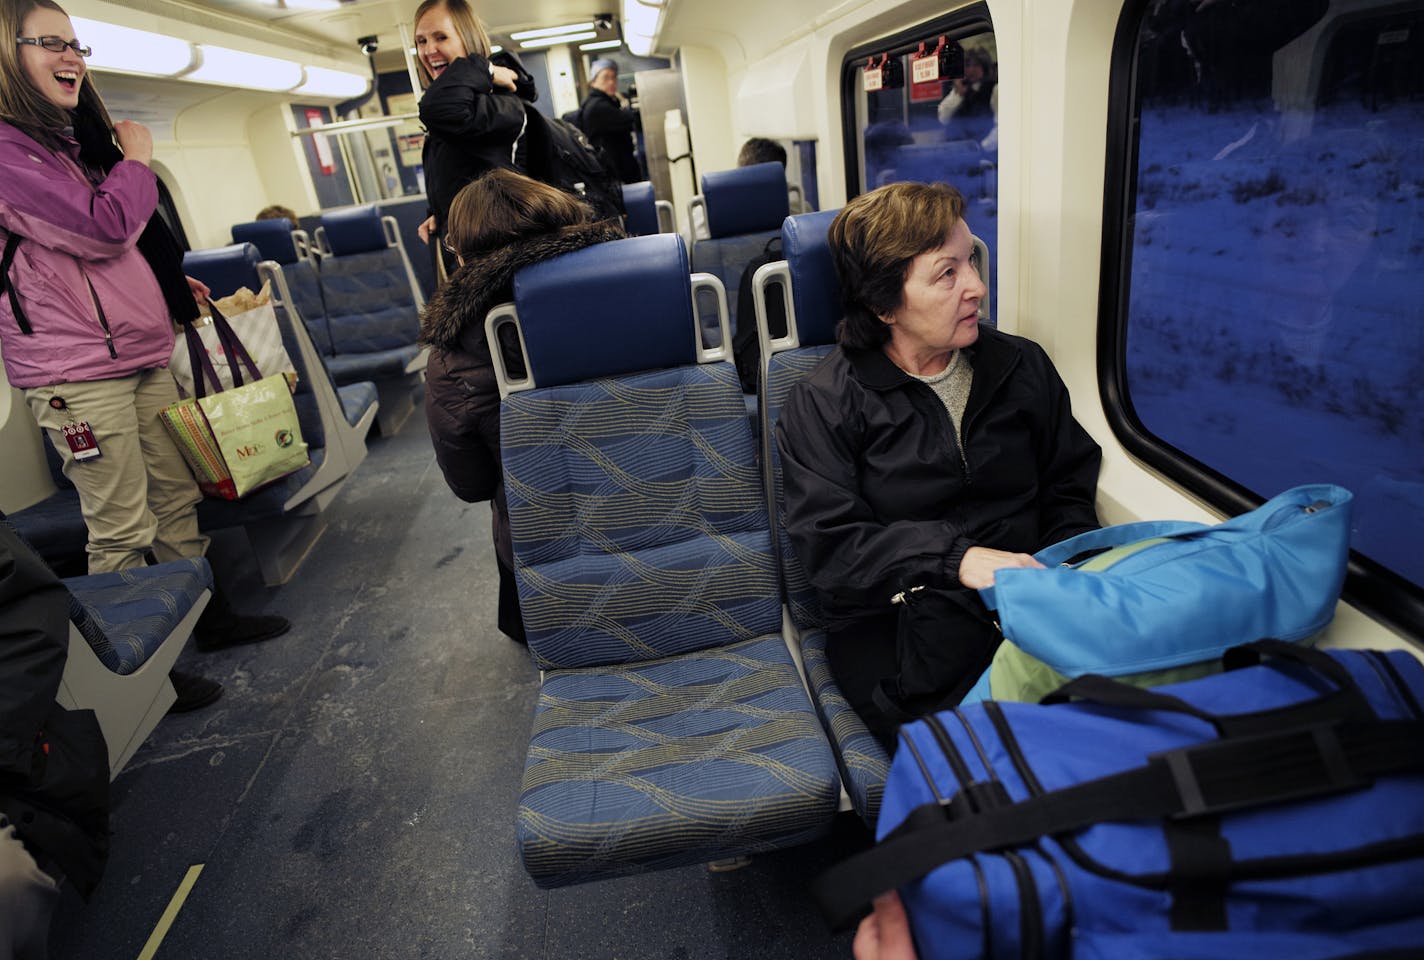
x=672, y=725
x=127, y=615
x=812, y=299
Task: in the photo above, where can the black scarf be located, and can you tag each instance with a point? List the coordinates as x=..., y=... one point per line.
x=97, y=150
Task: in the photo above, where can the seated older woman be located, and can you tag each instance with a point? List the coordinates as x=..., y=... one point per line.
x=929, y=450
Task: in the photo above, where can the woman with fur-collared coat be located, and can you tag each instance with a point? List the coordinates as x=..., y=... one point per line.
x=498, y=225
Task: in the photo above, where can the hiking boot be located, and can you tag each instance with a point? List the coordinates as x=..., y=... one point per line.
x=194, y=692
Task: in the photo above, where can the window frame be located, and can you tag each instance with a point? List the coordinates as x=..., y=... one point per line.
x=964, y=22
x=1378, y=591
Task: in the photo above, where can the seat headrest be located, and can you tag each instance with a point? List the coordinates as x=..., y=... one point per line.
x=273, y=238
x=745, y=200
x=815, y=286
x=357, y=230
x=224, y=269
x=642, y=210
x=606, y=310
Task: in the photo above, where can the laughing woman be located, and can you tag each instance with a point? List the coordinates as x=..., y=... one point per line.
x=473, y=108
x=92, y=284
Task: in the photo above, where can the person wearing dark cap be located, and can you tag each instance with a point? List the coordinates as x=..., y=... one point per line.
x=608, y=124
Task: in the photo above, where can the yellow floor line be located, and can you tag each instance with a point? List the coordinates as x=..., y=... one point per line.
x=155, y=939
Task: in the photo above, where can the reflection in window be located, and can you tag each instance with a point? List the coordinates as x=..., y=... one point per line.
x=1274, y=326
x=942, y=130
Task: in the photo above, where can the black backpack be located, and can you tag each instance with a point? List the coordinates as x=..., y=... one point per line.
x=746, y=350
x=558, y=153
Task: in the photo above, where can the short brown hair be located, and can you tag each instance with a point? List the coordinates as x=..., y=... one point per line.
x=278, y=212
x=873, y=239
x=467, y=25
x=503, y=206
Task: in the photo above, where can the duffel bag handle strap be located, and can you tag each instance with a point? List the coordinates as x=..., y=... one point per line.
x=201, y=364
x=1096, y=688
x=1106, y=538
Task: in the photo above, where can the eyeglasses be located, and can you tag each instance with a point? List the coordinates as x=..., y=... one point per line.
x=56, y=44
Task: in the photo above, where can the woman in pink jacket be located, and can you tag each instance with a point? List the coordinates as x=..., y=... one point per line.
x=92, y=283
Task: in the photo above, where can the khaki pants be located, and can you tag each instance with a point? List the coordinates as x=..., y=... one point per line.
x=139, y=495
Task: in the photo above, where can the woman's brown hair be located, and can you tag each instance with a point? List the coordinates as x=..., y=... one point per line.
x=873, y=239
x=503, y=206
x=467, y=25
x=21, y=105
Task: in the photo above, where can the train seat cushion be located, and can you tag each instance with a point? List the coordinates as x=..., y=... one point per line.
x=225, y=269
x=356, y=399
x=350, y=368
x=269, y=501
x=639, y=525
x=607, y=310
x=304, y=283
x=55, y=528
x=815, y=287
x=745, y=200
x=136, y=610
x=671, y=762
x=727, y=259
x=272, y=238
x=642, y=212
x=864, y=764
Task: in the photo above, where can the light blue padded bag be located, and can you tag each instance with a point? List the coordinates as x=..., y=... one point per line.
x=1160, y=595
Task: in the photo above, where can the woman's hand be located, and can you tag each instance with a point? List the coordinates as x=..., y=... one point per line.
x=426, y=228
x=201, y=293
x=885, y=934
x=135, y=141
x=503, y=78
x=976, y=570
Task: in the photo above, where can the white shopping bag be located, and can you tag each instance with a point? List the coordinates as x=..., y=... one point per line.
x=253, y=319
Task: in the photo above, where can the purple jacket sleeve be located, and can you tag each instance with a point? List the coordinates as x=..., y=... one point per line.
x=46, y=199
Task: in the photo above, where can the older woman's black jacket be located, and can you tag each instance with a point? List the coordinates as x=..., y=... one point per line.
x=878, y=498
x=471, y=126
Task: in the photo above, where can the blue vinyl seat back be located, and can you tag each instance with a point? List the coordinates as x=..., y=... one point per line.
x=745, y=207
x=224, y=270
x=272, y=238
x=640, y=205
x=370, y=304
x=815, y=313
x=639, y=525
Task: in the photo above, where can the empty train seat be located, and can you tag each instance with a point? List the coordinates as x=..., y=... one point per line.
x=125, y=633
x=672, y=726
x=743, y=209
x=283, y=520
x=275, y=240
x=810, y=290
x=373, y=304
x=646, y=214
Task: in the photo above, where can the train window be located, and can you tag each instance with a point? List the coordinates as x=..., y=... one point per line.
x=922, y=105
x=1265, y=328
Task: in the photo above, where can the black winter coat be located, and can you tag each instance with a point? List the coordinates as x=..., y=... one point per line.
x=54, y=764
x=471, y=127
x=609, y=126
x=878, y=498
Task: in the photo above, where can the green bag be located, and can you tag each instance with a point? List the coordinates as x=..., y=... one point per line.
x=242, y=438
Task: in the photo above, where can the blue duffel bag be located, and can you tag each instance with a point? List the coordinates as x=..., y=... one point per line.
x=1117, y=822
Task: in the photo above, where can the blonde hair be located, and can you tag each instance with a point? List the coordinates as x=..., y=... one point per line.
x=873, y=239
x=467, y=25
x=503, y=206
x=21, y=105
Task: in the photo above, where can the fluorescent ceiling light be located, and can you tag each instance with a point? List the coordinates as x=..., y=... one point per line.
x=494, y=48
x=234, y=68
x=551, y=41
x=322, y=82
x=551, y=31
x=126, y=50
x=601, y=45
x=312, y=4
